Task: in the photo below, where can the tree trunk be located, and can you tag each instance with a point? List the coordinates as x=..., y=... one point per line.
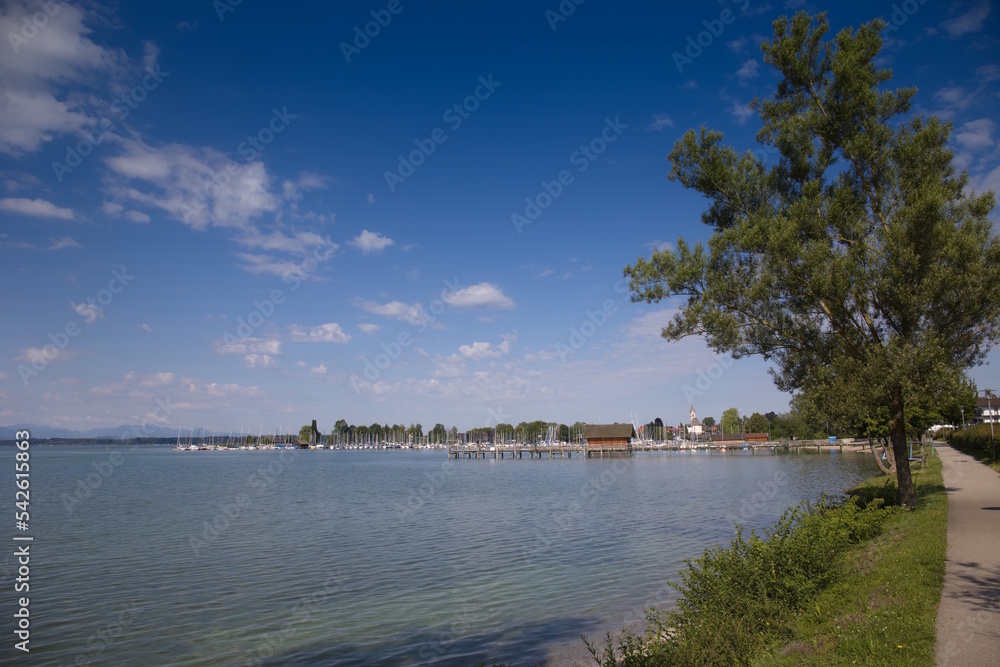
x=897, y=433
x=888, y=470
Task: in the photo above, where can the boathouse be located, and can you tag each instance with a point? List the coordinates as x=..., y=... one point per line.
x=611, y=438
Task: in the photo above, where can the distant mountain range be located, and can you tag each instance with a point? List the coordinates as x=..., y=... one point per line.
x=119, y=432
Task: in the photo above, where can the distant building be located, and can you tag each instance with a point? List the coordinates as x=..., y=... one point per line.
x=988, y=409
x=694, y=428
x=605, y=437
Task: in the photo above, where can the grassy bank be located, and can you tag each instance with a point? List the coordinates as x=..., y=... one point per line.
x=976, y=442
x=856, y=583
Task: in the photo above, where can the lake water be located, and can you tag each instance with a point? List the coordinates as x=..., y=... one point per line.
x=155, y=557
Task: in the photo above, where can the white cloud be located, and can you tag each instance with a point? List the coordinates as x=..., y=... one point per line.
x=747, y=71
x=368, y=328
x=137, y=216
x=988, y=73
x=44, y=355
x=38, y=208
x=145, y=327
x=184, y=182
x=368, y=242
x=483, y=295
x=269, y=265
x=259, y=361
x=482, y=350
x=318, y=370
x=88, y=311
x=156, y=380
x=112, y=208
x=976, y=134
x=324, y=333
x=741, y=112
x=737, y=45
x=64, y=242
x=988, y=181
x=371, y=198
x=969, y=22
x=954, y=98
x=268, y=346
x=660, y=121
x=411, y=313
x=34, y=104
x=298, y=242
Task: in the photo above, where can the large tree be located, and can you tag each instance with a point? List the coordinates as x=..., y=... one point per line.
x=758, y=423
x=861, y=265
x=730, y=420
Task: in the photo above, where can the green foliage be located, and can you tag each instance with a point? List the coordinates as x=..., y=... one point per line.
x=708, y=422
x=731, y=421
x=861, y=265
x=737, y=601
x=757, y=423
x=975, y=440
x=305, y=433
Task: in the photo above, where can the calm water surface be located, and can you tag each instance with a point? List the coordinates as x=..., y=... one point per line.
x=371, y=558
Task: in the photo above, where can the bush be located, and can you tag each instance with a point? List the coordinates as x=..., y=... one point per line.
x=974, y=439
x=738, y=600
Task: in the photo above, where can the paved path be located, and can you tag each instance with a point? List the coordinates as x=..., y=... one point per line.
x=968, y=618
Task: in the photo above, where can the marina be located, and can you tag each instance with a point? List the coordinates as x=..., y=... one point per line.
x=580, y=450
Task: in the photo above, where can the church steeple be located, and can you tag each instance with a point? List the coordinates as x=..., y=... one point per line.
x=693, y=415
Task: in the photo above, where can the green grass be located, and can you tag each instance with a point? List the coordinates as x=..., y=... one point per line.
x=856, y=583
x=883, y=606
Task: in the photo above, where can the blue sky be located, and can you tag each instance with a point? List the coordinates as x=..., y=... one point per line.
x=252, y=215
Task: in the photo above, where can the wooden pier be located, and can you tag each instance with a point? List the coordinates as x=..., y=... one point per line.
x=568, y=450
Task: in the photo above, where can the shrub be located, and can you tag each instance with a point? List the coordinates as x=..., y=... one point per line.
x=735, y=601
x=974, y=439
